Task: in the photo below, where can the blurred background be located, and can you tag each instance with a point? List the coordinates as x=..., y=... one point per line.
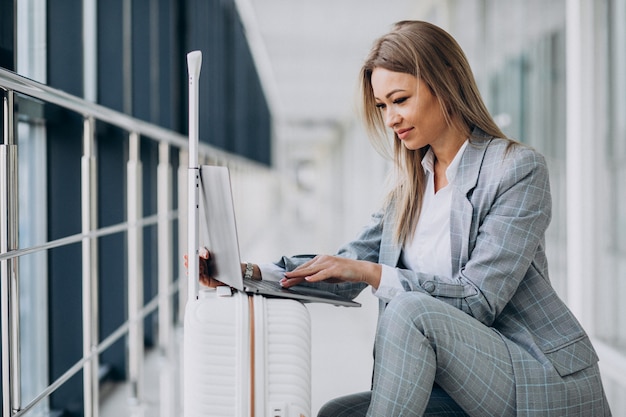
x=103, y=84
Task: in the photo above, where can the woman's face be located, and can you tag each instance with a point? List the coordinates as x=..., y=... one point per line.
x=409, y=108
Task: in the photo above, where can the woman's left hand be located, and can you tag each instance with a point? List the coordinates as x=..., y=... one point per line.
x=333, y=269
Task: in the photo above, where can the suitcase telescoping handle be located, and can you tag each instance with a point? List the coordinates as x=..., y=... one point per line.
x=194, y=63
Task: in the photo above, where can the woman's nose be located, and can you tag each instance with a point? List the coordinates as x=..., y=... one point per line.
x=391, y=118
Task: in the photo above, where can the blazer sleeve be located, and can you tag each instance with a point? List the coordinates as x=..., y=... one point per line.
x=365, y=246
x=509, y=211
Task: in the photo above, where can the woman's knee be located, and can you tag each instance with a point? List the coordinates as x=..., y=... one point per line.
x=411, y=305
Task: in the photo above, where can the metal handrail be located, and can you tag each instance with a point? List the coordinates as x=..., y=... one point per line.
x=10, y=81
x=116, y=335
x=12, y=84
x=78, y=237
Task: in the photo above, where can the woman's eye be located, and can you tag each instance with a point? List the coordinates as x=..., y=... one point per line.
x=399, y=100
x=380, y=106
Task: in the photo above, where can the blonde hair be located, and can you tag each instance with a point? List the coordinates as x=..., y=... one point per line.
x=429, y=53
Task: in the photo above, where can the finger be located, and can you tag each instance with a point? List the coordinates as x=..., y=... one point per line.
x=307, y=264
x=310, y=274
x=208, y=281
x=317, y=277
x=203, y=252
x=211, y=282
x=308, y=268
x=296, y=273
x=290, y=282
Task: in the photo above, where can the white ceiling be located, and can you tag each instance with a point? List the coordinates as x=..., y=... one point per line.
x=309, y=52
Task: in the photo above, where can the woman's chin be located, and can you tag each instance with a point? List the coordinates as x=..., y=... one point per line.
x=412, y=146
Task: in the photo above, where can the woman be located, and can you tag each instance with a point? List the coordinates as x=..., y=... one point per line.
x=469, y=323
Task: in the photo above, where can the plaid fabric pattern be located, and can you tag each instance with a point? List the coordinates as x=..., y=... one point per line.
x=501, y=208
x=356, y=405
x=420, y=340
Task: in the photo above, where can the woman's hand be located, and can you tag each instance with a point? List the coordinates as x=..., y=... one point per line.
x=206, y=269
x=333, y=269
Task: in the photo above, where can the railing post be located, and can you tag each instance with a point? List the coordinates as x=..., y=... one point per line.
x=89, y=206
x=135, y=269
x=165, y=251
x=164, y=204
x=9, y=291
x=183, y=157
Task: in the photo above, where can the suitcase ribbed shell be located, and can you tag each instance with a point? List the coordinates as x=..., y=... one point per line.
x=218, y=357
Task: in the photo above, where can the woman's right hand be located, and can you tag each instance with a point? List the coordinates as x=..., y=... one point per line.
x=206, y=268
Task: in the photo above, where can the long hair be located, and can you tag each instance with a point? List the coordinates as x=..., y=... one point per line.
x=429, y=53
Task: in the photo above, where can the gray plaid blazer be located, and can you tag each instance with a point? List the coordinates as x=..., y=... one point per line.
x=501, y=208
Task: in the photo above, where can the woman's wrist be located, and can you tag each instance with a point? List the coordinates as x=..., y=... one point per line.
x=251, y=271
x=373, y=275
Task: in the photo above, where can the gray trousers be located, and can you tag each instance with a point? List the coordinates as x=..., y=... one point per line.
x=433, y=359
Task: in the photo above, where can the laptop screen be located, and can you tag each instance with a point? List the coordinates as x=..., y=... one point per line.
x=218, y=229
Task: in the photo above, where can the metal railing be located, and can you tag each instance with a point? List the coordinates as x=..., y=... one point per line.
x=10, y=251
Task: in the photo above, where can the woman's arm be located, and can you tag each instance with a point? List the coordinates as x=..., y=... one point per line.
x=348, y=272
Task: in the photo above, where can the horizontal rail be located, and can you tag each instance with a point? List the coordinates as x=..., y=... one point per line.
x=102, y=346
x=76, y=238
x=11, y=81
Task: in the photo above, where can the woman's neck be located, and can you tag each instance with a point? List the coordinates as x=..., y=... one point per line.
x=444, y=152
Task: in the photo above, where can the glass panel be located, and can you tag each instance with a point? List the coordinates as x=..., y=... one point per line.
x=617, y=85
x=613, y=261
x=525, y=79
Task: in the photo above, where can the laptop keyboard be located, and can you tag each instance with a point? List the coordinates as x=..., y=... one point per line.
x=262, y=285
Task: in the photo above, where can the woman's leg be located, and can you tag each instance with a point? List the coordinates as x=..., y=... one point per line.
x=421, y=340
x=355, y=405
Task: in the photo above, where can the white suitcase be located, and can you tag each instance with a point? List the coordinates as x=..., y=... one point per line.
x=246, y=356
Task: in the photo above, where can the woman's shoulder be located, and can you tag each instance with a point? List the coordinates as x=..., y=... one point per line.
x=514, y=162
x=511, y=152
x=504, y=161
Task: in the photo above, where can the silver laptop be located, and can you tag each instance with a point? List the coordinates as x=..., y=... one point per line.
x=219, y=232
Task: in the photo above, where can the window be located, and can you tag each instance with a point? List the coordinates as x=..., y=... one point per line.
x=612, y=275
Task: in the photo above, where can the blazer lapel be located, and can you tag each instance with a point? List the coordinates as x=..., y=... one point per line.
x=462, y=210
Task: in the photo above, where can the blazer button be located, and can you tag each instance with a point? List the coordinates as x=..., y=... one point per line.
x=429, y=286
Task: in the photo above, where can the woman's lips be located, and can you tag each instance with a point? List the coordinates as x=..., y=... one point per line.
x=403, y=133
